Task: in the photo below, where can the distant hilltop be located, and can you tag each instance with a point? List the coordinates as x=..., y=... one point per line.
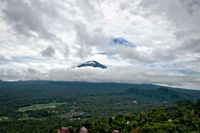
x=93, y=64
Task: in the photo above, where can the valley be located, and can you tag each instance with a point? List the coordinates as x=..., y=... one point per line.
x=72, y=103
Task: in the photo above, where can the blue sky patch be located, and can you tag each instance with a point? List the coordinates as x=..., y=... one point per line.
x=122, y=42
x=189, y=72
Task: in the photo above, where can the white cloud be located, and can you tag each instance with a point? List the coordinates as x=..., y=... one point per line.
x=40, y=36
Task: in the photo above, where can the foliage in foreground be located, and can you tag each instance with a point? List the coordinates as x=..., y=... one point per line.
x=182, y=117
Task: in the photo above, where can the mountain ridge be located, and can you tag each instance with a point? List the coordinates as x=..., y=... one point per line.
x=93, y=64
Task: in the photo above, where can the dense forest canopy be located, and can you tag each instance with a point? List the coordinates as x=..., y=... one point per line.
x=44, y=106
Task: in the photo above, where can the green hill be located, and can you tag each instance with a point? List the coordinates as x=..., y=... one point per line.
x=42, y=106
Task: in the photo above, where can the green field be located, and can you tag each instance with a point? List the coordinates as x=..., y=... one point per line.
x=36, y=107
x=4, y=118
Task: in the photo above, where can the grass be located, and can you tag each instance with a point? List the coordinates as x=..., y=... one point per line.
x=4, y=118
x=36, y=107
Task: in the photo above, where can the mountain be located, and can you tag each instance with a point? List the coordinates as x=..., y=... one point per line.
x=93, y=63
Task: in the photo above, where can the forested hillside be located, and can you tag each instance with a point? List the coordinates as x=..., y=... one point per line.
x=184, y=116
x=44, y=106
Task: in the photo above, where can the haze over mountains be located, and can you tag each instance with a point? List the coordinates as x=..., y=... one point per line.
x=44, y=91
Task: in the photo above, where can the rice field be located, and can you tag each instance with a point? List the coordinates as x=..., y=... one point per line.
x=36, y=107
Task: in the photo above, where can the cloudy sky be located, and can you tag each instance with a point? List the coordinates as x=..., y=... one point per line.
x=141, y=41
